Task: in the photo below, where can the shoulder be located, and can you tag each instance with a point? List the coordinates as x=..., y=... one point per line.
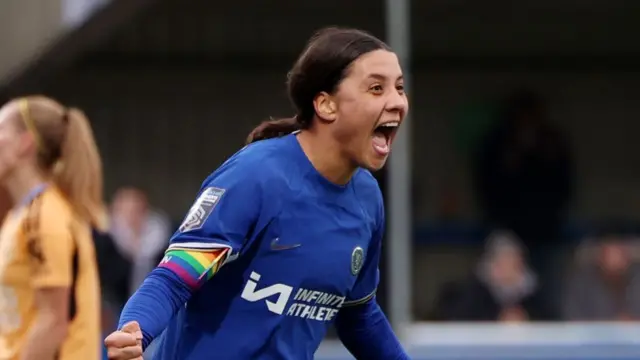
x=48, y=216
x=54, y=201
x=369, y=193
x=262, y=163
x=51, y=210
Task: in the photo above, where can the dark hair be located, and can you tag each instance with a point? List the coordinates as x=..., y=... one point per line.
x=323, y=64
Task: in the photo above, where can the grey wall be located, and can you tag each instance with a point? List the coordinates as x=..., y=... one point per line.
x=25, y=27
x=168, y=128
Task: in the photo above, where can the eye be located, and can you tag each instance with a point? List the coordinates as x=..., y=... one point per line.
x=376, y=89
x=400, y=88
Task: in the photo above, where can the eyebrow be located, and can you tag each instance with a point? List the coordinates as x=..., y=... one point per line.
x=382, y=77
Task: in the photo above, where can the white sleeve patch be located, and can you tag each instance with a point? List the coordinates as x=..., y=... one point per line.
x=201, y=209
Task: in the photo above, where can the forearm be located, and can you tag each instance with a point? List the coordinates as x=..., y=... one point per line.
x=367, y=334
x=44, y=339
x=168, y=287
x=154, y=304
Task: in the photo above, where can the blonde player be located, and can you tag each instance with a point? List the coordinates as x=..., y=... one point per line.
x=49, y=290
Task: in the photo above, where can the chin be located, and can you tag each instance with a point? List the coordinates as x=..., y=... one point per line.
x=375, y=164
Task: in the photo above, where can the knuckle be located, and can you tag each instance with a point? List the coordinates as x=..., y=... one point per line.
x=113, y=354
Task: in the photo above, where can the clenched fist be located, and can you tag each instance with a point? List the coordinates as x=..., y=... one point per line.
x=125, y=344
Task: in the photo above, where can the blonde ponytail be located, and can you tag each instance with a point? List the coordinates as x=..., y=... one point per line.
x=78, y=172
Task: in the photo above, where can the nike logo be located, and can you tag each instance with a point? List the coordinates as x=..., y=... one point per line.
x=275, y=245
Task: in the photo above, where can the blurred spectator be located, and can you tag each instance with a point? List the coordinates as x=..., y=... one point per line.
x=524, y=181
x=502, y=288
x=140, y=235
x=606, y=285
x=110, y=268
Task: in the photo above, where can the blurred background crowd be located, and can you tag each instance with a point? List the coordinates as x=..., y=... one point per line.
x=523, y=132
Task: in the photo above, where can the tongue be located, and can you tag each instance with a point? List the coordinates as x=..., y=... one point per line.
x=380, y=145
x=379, y=140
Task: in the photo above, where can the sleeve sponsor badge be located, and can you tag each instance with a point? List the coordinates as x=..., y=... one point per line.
x=201, y=209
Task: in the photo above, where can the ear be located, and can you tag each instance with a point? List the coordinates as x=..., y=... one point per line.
x=325, y=107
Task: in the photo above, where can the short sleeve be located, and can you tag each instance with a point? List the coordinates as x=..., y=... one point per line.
x=369, y=277
x=50, y=246
x=226, y=209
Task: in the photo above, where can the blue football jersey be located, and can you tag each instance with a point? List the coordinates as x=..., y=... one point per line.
x=301, y=248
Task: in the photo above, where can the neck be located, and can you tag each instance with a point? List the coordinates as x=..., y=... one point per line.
x=21, y=182
x=325, y=155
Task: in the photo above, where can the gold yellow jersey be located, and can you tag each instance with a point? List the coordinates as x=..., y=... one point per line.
x=44, y=244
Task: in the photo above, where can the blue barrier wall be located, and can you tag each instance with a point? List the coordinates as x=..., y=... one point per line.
x=575, y=341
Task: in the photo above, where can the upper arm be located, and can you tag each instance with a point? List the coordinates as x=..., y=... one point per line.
x=53, y=305
x=227, y=207
x=369, y=276
x=218, y=223
x=50, y=246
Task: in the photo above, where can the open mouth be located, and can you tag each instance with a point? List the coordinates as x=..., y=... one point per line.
x=383, y=136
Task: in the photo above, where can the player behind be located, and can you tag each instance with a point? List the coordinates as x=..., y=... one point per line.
x=284, y=238
x=49, y=291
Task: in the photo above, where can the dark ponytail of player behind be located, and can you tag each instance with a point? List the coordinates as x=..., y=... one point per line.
x=321, y=67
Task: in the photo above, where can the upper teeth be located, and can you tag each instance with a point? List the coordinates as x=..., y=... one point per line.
x=391, y=124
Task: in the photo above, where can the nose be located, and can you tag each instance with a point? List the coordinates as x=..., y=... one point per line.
x=397, y=102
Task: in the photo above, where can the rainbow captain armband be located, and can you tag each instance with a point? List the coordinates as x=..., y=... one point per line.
x=194, y=267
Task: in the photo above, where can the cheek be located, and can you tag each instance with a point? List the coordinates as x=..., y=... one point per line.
x=8, y=153
x=359, y=118
x=347, y=126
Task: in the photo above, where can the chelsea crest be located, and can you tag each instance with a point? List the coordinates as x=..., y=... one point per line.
x=357, y=260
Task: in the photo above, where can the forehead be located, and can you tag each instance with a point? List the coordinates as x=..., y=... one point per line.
x=379, y=63
x=8, y=112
